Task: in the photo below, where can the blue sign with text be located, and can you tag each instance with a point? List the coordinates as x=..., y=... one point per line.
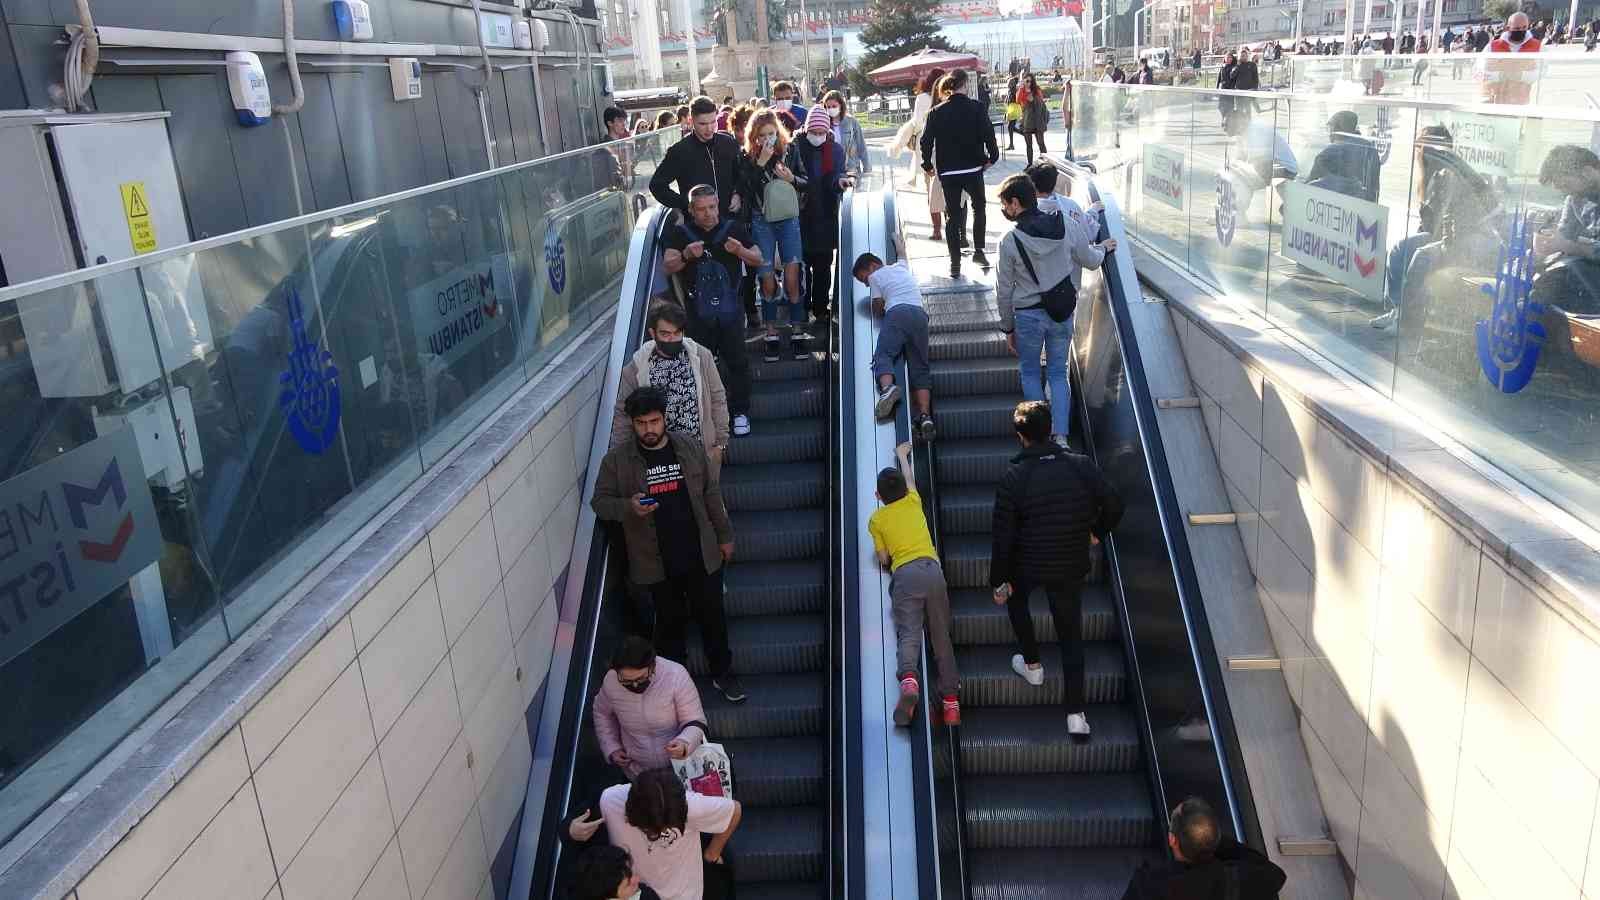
x=310, y=395
x=1510, y=339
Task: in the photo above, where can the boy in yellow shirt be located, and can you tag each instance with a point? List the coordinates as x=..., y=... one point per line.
x=917, y=588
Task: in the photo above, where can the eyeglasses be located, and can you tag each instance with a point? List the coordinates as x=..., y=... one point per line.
x=635, y=682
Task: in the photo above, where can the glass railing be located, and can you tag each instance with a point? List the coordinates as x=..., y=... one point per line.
x=1548, y=79
x=1411, y=243
x=190, y=432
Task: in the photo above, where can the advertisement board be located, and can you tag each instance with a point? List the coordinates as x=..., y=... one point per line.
x=1344, y=238
x=1164, y=178
x=1489, y=144
x=458, y=310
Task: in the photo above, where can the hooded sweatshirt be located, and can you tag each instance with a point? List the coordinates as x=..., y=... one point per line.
x=1056, y=253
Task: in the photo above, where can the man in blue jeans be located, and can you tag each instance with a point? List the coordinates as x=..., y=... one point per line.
x=1042, y=251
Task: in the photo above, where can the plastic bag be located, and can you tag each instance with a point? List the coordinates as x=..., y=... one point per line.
x=707, y=771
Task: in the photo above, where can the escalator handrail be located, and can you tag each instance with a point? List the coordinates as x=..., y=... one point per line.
x=845, y=791
x=556, y=751
x=1122, y=285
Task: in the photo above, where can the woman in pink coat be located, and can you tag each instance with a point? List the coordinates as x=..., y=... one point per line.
x=648, y=710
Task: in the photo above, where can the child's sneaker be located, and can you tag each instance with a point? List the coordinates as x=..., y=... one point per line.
x=887, y=398
x=1029, y=674
x=772, y=345
x=924, y=428
x=952, y=711
x=909, y=696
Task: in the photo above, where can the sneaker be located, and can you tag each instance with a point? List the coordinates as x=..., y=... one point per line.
x=906, y=708
x=1034, y=677
x=772, y=344
x=887, y=398
x=1385, y=321
x=924, y=428
x=1078, y=725
x=979, y=258
x=1060, y=440
x=741, y=425
x=797, y=345
x=729, y=687
x=952, y=712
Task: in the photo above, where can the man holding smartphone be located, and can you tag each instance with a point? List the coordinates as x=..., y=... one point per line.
x=662, y=489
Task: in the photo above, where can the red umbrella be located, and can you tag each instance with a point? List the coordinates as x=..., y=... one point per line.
x=908, y=69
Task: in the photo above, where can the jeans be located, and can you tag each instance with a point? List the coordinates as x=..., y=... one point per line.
x=775, y=240
x=1037, y=332
x=1400, y=263
x=1066, y=607
x=724, y=337
x=918, y=595
x=904, y=333
x=692, y=596
x=953, y=187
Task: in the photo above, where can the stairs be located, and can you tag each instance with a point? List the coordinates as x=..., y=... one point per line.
x=1046, y=816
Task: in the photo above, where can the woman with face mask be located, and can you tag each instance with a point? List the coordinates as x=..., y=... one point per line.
x=647, y=712
x=846, y=133
x=827, y=176
x=771, y=182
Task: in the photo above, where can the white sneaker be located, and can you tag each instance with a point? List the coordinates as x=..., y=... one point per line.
x=887, y=398
x=741, y=425
x=1385, y=321
x=1078, y=725
x=1034, y=677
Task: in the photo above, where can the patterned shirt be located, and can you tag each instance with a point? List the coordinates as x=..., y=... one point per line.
x=675, y=375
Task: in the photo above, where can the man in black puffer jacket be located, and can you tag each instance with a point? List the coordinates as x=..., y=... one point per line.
x=705, y=156
x=960, y=138
x=1206, y=864
x=1048, y=503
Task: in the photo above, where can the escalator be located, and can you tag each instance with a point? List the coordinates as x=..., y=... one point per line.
x=785, y=741
x=1013, y=808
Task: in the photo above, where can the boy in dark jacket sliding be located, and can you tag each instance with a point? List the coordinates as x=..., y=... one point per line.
x=1048, y=503
x=1205, y=863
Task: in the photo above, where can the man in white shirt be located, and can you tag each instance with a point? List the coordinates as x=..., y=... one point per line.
x=897, y=297
x=659, y=823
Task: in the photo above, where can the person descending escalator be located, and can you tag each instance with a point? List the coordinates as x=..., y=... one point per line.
x=1048, y=504
x=647, y=711
x=1206, y=864
x=703, y=156
x=659, y=822
x=827, y=169
x=697, y=404
x=606, y=873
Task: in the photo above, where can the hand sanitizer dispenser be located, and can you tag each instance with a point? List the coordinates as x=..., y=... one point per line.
x=354, y=18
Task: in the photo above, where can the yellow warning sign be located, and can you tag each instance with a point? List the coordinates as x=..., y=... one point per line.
x=136, y=207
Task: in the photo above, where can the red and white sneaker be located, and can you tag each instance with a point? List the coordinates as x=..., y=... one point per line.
x=910, y=695
x=952, y=711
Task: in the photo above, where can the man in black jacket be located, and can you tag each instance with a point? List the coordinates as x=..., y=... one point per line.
x=1205, y=865
x=705, y=156
x=1048, y=503
x=960, y=136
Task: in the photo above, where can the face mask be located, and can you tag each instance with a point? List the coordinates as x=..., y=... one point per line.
x=1516, y=36
x=783, y=104
x=669, y=349
x=817, y=140
x=639, y=688
x=635, y=895
x=833, y=112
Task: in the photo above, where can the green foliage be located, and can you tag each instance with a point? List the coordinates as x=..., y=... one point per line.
x=897, y=27
x=1499, y=10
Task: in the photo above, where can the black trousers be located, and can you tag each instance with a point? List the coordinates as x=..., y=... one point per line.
x=820, y=265
x=1028, y=139
x=724, y=337
x=954, y=186
x=698, y=597
x=1066, y=607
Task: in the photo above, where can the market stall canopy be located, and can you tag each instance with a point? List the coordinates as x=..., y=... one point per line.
x=907, y=69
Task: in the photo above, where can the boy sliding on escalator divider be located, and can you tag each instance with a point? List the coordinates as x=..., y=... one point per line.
x=917, y=590
x=897, y=298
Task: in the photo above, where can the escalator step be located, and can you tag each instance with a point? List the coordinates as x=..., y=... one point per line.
x=777, y=771
x=766, y=890
x=966, y=509
x=1099, y=873
x=778, y=706
x=800, y=398
x=785, y=440
x=786, y=369
x=1018, y=740
x=775, y=588
x=976, y=619
x=765, y=645
x=976, y=415
x=967, y=345
x=987, y=678
x=1111, y=810
x=939, y=305
x=969, y=318
x=780, y=534
x=966, y=559
x=955, y=377
x=974, y=460
x=774, y=485
x=778, y=843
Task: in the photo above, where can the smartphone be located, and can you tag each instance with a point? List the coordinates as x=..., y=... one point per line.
x=647, y=501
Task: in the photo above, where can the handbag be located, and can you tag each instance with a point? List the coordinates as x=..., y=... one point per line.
x=779, y=201
x=707, y=771
x=1059, y=302
x=1013, y=111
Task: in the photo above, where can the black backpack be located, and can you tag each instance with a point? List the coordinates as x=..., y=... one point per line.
x=714, y=293
x=1059, y=302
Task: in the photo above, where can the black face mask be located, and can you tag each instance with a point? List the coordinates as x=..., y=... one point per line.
x=1516, y=36
x=639, y=687
x=669, y=349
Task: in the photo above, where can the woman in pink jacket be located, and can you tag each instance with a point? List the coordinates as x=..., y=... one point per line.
x=648, y=710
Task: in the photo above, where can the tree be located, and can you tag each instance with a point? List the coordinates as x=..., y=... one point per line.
x=897, y=27
x=1500, y=10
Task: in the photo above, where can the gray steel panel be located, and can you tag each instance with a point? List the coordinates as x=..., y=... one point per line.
x=463, y=133
x=430, y=133
x=201, y=125
x=313, y=20
x=524, y=108
x=500, y=121
x=261, y=159
x=38, y=61
x=11, y=94
x=28, y=12
x=378, y=134
x=126, y=93
x=324, y=153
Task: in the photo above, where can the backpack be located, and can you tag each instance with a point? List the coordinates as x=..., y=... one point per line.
x=714, y=293
x=1059, y=302
x=779, y=201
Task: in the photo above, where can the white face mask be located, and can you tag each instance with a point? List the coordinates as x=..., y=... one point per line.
x=783, y=104
x=833, y=112
x=817, y=140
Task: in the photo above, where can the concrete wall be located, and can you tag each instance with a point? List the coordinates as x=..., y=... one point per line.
x=1445, y=697
x=391, y=760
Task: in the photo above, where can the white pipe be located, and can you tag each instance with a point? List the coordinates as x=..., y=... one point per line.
x=293, y=61
x=83, y=56
x=482, y=88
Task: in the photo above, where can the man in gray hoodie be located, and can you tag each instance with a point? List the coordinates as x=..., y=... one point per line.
x=1038, y=254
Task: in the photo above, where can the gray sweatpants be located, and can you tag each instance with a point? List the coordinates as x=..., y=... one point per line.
x=917, y=591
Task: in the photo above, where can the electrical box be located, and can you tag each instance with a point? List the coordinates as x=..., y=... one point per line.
x=523, y=34
x=496, y=30
x=405, y=76
x=354, y=19
x=540, y=34
x=162, y=449
x=90, y=189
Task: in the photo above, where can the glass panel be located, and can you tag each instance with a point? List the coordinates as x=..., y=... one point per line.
x=1235, y=156
x=1163, y=199
x=106, y=602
